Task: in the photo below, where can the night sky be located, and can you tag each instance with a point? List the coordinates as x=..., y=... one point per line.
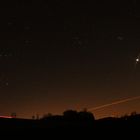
x=58, y=55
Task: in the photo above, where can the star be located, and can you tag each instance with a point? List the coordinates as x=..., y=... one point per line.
x=27, y=27
x=137, y=60
x=7, y=84
x=5, y=55
x=120, y=38
x=27, y=42
x=10, y=23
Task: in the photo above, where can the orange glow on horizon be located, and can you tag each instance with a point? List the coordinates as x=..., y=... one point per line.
x=6, y=117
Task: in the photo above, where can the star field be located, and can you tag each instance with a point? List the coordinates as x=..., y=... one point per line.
x=62, y=55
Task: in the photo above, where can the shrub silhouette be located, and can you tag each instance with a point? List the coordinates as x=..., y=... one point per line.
x=86, y=116
x=70, y=115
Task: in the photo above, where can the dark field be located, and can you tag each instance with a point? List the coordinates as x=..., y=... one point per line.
x=73, y=126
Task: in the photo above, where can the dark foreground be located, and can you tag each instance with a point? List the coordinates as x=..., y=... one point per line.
x=56, y=126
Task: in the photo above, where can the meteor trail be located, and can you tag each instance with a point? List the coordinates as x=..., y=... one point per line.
x=114, y=103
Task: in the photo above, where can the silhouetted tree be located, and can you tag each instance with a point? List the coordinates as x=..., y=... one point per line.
x=133, y=113
x=33, y=117
x=37, y=116
x=82, y=116
x=47, y=115
x=70, y=115
x=86, y=116
x=13, y=115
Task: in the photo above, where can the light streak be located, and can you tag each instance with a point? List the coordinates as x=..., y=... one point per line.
x=114, y=103
x=6, y=117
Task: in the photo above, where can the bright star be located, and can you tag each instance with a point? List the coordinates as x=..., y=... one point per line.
x=137, y=60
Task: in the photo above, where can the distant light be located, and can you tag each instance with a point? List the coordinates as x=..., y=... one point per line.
x=137, y=60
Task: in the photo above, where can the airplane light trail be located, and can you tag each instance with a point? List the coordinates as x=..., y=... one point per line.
x=114, y=103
